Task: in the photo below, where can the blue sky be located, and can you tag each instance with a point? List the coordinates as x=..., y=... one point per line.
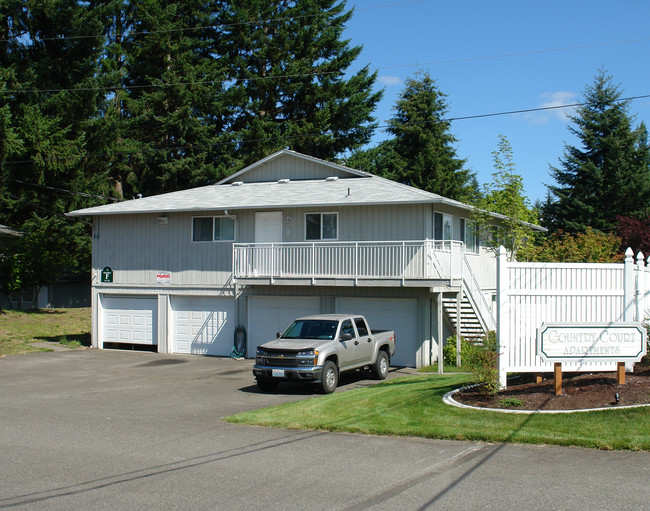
x=494, y=56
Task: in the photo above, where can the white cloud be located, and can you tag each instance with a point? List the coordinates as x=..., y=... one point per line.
x=390, y=80
x=552, y=101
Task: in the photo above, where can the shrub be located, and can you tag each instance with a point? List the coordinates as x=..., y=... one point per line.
x=585, y=247
x=510, y=402
x=481, y=360
x=449, y=351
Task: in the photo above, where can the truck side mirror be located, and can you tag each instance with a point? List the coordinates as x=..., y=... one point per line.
x=345, y=336
x=278, y=334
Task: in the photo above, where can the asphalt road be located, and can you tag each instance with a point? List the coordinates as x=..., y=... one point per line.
x=106, y=430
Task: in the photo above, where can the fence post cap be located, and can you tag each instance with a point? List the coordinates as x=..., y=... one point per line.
x=629, y=254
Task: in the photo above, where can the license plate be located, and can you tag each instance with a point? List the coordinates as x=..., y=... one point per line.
x=277, y=373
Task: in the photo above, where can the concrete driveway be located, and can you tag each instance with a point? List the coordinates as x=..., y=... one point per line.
x=127, y=431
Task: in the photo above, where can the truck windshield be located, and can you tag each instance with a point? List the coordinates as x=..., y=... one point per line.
x=311, y=329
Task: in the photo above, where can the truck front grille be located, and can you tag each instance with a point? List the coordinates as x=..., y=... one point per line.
x=284, y=360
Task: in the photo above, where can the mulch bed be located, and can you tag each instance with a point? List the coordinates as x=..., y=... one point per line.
x=579, y=391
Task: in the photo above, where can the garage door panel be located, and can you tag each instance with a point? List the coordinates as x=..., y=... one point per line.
x=129, y=319
x=399, y=315
x=203, y=325
x=268, y=315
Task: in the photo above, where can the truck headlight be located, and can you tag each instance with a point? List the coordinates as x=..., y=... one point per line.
x=309, y=356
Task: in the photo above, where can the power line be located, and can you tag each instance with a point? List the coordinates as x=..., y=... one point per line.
x=222, y=25
x=161, y=85
x=47, y=210
x=330, y=132
x=321, y=73
x=71, y=192
x=518, y=54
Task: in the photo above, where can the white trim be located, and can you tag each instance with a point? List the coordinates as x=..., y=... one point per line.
x=213, y=217
x=321, y=213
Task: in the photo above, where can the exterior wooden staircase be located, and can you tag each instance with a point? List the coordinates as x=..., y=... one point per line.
x=471, y=327
x=476, y=315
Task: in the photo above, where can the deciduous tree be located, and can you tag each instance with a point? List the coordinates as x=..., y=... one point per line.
x=505, y=196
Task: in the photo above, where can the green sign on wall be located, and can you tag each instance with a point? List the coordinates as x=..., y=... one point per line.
x=107, y=275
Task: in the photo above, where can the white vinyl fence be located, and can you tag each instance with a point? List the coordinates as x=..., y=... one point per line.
x=529, y=294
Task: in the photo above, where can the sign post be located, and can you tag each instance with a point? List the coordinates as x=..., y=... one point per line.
x=591, y=342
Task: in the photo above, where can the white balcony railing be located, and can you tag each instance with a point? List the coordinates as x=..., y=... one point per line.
x=427, y=259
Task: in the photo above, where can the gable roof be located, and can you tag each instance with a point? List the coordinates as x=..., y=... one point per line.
x=328, y=168
x=349, y=188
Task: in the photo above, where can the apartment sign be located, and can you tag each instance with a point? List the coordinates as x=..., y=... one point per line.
x=597, y=342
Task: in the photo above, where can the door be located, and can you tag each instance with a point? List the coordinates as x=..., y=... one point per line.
x=203, y=325
x=268, y=229
x=364, y=350
x=131, y=320
x=395, y=314
x=268, y=315
x=348, y=349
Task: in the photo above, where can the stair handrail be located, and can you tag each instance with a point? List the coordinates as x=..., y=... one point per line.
x=476, y=296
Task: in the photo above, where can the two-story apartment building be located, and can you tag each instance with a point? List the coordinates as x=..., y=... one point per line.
x=287, y=236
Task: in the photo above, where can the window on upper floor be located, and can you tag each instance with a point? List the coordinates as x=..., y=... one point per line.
x=442, y=226
x=213, y=228
x=468, y=235
x=321, y=226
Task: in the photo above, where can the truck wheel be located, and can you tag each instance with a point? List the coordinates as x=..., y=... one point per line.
x=266, y=385
x=329, y=378
x=380, y=367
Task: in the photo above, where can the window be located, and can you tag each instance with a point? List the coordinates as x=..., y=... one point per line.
x=362, y=328
x=24, y=295
x=224, y=229
x=347, y=328
x=442, y=228
x=321, y=226
x=209, y=228
x=468, y=235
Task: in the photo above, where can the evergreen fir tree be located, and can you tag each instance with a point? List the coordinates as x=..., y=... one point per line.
x=169, y=116
x=609, y=175
x=424, y=144
x=48, y=66
x=287, y=61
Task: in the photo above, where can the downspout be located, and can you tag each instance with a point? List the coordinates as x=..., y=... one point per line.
x=234, y=219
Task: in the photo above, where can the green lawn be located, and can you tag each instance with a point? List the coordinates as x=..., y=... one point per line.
x=64, y=327
x=412, y=406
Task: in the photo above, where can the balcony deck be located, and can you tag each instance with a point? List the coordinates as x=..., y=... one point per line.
x=423, y=263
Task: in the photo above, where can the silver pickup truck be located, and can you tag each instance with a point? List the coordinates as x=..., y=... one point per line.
x=318, y=348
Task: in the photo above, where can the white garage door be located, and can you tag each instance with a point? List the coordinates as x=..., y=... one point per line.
x=131, y=320
x=389, y=314
x=202, y=325
x=268, y=315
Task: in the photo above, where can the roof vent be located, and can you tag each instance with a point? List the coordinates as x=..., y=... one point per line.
x=237, y=183
x=332, y=178
x=283, y=181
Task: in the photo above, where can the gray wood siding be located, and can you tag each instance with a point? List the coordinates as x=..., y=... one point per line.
x=355, y=223
x=136, y=247
x=286, y=167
